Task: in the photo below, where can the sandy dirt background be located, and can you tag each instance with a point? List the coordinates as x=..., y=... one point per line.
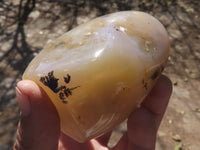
x=27, y=25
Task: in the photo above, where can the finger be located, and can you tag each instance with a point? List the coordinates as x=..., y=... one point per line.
x=157, y=101
x=38, y=127
x=68, y=143
x=143, y=123
x=104, y=139
x=141, y=130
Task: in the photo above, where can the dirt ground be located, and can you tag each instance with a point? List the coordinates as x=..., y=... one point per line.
x=27, y=25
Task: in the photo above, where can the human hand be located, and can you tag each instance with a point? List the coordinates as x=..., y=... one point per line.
x=39, y=127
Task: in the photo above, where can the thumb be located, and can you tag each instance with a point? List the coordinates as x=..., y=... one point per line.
x=39, y=127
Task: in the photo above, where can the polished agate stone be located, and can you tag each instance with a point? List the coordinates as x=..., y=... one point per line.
x=99, y=72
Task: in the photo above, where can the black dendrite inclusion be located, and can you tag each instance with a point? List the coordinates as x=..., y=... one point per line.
x=64, y=91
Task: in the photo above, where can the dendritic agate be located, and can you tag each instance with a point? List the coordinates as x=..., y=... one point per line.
x=99, y=72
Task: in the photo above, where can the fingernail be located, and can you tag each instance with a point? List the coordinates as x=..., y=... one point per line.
x=24, y=103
